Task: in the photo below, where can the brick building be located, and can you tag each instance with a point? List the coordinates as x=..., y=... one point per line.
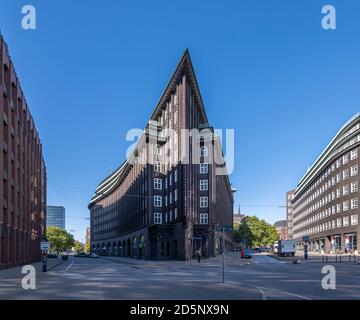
x=164, y=207
x=325, y=202
x=289, y=214
x=281, y=229
x=22, y=173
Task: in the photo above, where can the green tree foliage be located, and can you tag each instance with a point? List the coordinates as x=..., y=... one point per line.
x=255, y=233
x=60, y=239
x=79, y=247
x=87, y=247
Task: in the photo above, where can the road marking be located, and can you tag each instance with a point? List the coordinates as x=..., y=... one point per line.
x=69, y=266
x=263, y=295
x=285, y=292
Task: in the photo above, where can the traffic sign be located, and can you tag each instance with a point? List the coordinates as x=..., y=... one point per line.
x=44, y=245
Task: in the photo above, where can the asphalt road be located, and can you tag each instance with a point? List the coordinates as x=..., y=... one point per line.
x=261, y=278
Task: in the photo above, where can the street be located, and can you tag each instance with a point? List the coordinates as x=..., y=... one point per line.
x=261, y=278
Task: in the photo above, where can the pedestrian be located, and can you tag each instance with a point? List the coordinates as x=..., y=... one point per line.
x=199, y=254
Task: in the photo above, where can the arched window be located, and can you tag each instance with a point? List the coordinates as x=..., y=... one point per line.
x=204, y=151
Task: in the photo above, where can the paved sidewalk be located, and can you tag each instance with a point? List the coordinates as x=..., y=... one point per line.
x=314, y=257
x=51, y=264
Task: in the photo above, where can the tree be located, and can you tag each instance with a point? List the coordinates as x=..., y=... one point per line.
x=60, y=240
x=87, y=246
x=255, y=232
x=79, y=247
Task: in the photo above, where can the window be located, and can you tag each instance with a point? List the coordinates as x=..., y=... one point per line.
x=170, y=198
x=170, y=179
x=176, y=195
x=166, y=217
x=345, y=158
x=354, y=203
x=175, y=213
x=204, y=185
x=354, y=219
x=338, y=207
x=345, y=174
x=203, y=168
x=345, y=189
x=338, y=163
x=333, y=224
x=345, y=221
x=204, y=151
x=354, y=186
x=204, y=202
x=338, y=222
x=171, y=215
x=353, y=154
x=204, y=218
x=157, y=201
x=166, y=183
x=346, y=205
x=157, y=217
x=338, y=193
x=157, y=184
x=338, y=177
x=175, y=175
x=354, y=170
x=166, y=201
x=157, y=167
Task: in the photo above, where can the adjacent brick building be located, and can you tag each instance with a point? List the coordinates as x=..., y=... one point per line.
x=289, y=214
x=325, y=203
x=162, y=209
x=22, y=173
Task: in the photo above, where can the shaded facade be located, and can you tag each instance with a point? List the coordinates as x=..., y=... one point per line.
x=289, y=214
x=55, y=216
x=281, y=229
x=22, y=173
x=162, y=205
x=325, y=203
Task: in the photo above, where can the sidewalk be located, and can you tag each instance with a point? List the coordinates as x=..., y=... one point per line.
x=318, y=258
x=51, y=264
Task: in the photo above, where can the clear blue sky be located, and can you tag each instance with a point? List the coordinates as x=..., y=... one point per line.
x=93, y=70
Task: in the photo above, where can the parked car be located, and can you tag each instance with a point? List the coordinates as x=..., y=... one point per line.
x=64, y=256
x=52, y=255
x=246, y=253
x=94, y=255
x=82, y=255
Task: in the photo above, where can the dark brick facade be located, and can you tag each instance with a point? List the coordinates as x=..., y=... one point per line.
x=325, y=203
x=125, y=220
x=22, y=173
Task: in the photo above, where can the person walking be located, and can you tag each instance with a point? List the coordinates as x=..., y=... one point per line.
x=199, y=254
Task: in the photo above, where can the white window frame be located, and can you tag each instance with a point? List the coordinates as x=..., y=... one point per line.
x=204, y=218
x=158, y=201
x=204, y=151
x=204, y=168
x=353, y=154
x=157, y=217
x=354, y=186
x=354, y=203
x=354, y=170
x=354, y=219
x=204, y=202
x=204, y=185
x=157, y=184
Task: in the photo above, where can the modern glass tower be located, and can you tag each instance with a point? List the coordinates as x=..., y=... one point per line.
x=55, y=216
